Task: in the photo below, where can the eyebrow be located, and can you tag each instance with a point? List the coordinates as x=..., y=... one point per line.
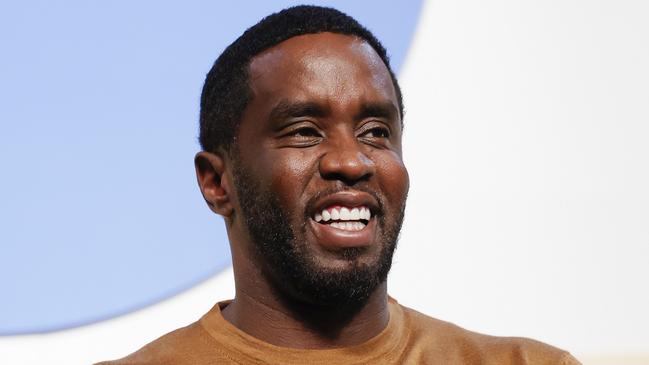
x=285, y=109
x=377, y=109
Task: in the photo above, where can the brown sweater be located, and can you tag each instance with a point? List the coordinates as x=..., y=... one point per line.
x=409, y=338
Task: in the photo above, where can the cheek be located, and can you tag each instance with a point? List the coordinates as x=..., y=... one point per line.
x=290, y=174
x=394, y=178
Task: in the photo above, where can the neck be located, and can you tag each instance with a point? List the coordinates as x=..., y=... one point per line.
x=262, y=312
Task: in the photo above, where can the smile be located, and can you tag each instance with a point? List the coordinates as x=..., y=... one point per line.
x=344, y=218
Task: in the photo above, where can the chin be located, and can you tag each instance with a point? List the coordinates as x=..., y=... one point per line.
x=344, y=277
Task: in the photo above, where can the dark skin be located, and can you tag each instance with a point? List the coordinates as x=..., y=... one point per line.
x=324, y=116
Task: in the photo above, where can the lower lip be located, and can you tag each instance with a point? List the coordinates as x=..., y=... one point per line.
x=333, y=238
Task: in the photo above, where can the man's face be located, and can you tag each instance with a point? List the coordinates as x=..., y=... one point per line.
x=318, y=170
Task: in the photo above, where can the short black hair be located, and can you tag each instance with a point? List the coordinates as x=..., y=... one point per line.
x=226, y=92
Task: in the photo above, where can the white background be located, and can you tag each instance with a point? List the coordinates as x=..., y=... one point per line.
x=526, y=139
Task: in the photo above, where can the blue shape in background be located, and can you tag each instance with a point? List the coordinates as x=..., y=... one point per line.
x=100, y=213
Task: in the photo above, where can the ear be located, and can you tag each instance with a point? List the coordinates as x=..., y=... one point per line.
x=214, y=181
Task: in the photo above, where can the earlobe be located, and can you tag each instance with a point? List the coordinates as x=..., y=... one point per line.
x=211, y=172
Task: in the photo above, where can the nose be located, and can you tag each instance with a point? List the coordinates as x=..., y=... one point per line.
x=346, y=162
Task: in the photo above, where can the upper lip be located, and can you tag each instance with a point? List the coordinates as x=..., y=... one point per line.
x=347, y=198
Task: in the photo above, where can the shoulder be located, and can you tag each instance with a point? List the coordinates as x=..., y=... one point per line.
x=186, y=345
x=458, y=345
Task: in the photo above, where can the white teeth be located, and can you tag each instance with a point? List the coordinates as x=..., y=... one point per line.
x=343, y=214
x=348, y=226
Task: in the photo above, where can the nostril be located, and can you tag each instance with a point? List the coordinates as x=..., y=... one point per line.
x=346, y=166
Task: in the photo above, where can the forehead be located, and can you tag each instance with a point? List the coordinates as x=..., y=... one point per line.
x=326, y=66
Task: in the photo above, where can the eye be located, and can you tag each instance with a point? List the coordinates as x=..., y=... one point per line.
x=304, y=132
x=376, y=132
x=301, y=136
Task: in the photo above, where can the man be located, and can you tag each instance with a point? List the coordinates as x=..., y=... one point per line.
x=301, y=121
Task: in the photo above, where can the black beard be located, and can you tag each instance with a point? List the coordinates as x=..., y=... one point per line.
x=289, y=264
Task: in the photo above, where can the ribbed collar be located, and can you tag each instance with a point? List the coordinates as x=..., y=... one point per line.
x=241, y=347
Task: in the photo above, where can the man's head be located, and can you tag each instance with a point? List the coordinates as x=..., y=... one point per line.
x=311, y=177
x=226, y=91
